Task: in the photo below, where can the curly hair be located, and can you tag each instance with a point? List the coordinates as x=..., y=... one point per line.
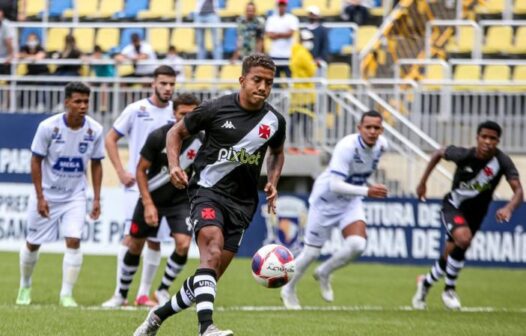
x=255, y=60
x=76, y=87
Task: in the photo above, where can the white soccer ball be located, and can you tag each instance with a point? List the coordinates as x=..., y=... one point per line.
x=273, y=266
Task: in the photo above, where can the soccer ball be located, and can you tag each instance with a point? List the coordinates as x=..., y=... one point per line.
x=273, y=266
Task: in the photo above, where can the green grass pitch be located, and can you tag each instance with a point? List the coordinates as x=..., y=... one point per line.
x=373, y=299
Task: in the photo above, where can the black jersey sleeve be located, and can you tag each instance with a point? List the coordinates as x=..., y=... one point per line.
x=200, y=118
x=508, y=167
x=154, y=144
x=456, y=154
x=278, y=138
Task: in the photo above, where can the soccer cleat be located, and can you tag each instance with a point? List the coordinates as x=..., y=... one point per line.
x=325, y=285
x=68, y=302
x=150, y=326
x=290, y=299
x=24, y=296
x=144, y=301
x=212, y=330
x=450, y=299
x=162, y=296
x=116, y=301
x=419, y=299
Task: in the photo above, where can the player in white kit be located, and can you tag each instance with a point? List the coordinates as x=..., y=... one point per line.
x=62, y=147
x=136, y=122
x=336, y=201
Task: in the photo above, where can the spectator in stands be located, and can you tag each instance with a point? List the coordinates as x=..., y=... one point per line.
x=356, y=11
x=280, y=29
x=10, y=9
x=70, y=52
x=303, y=67
x=320, y=42
x=102, y=71
x=206, y=12
x=6, y=44
x=250, y=30
x=176, y=62
x=136, y=52
x=33, y=51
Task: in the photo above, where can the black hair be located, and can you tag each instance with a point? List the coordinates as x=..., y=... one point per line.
x=172, y=48
x=97, y=48
x=488, y=124
x=255, y=60
x=164, y=70
x=76, y=87
x=185, y=99
x=371, y=113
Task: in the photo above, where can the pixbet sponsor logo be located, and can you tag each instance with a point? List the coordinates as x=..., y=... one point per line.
x=241, y=156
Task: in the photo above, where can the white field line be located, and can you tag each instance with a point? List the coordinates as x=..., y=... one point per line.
x=281, y=308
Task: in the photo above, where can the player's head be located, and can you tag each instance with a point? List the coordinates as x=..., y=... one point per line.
x=164, y=83
x=77, y=99
x=183, y=104
x=257, y=77
x=488, y=137
x=370, y=127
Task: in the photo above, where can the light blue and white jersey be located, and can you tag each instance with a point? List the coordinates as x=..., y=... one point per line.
x=355, y=162
x=136, y=122
x=66, y=154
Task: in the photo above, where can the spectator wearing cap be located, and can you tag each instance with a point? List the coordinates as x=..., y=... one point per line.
x=320, y=42
x=280, y=28
x=206, y=12
x=136, y=52
x=250, y=30
x=356, y=11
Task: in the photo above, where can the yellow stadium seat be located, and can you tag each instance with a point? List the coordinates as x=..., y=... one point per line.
x=107, y=38
x=108, y=8
x=490, y=7
x=363, y=36
x=21, y=69
x=263, y=7
x=230, y=72
x=466, y=72
x=205, y=72
x=159, y=9
x=519, y=45
x=498, y=72
x=187, y=69
x=85, y=38
x=519, y=75
x=34, y=7
x=208, y=39
x=158, y=39
x=124, y=70
x=321, y=4
x=463, y=42
x=186, y=7
x=338, y=71
x=55, y=39
x=434, y=72
x=184, y=40
x=84, y=9
x=498, y=40
x=520, y=7
x=334, y=8
x=234, y=8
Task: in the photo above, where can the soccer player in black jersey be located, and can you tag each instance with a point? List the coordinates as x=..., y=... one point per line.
x=238, y=129
x=477, y=175
x=160, y=198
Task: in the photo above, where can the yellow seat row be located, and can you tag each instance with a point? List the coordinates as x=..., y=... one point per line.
x=496, y=7
x=498, y=40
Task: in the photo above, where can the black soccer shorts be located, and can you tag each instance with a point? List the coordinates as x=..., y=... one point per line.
x=454, y=218
x=178, y=218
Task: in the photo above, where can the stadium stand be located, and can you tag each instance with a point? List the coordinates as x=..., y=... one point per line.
x=86, y=38
x=158, y=9
x=126, y=34
x=57, y=7
x=108, y=39
x=55, y=39
x=109, y=8
x=84, y=9
x=498, y=40
x=159, y=38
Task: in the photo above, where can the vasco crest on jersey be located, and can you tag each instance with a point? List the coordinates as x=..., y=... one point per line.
x=83, y=147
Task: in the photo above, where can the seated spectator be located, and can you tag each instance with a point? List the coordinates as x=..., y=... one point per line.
x=250, y=31
x=136, y=52
x=33, y=51
x=356, y=11
x=176, y=62
x=70, y=52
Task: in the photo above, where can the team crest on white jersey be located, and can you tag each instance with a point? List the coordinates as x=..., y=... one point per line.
x=83, y=147
x=229, y=125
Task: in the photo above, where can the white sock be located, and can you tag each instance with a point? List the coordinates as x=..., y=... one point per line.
x=306, y=257
x=352, y=248
x=120, y=261
x=151, y=261
x=28, y=261
x=70, y=270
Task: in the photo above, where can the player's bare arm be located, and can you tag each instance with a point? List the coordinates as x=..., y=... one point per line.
x=174, y=141
x=275, y=161
x=112, y=149
x=377, y=191
x=504, y=213
x=435, y=159
x=96, y=178
x=36, y=175
x=150, y=211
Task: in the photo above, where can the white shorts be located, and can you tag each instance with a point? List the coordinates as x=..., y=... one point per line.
x=131, y=196
x=66, y=219
x=320, y=222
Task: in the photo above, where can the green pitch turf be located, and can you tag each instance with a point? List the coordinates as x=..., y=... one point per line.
x=372, y=299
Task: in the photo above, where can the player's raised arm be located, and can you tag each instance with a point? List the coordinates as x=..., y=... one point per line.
x=96, y=180
x=435, y=159
x=174, y=141
x=275, y=161
x=36, y=176
x=112, y=149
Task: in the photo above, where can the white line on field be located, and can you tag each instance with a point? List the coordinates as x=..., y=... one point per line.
x=305, y=308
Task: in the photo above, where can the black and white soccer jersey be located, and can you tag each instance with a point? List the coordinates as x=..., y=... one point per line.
x=163, y=192
x=236, y=140
x=475, y=180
